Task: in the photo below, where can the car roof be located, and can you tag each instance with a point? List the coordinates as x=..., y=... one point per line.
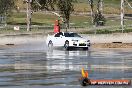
x=64, y=32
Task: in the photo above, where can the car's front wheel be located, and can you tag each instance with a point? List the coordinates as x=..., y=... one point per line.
x=66, y=45
x=85, y=48
x=50, y=44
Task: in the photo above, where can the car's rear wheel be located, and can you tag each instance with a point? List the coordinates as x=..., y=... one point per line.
x=66, y=45
x=50, y=44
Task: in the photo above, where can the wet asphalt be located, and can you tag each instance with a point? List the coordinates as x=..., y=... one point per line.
x=33, y=65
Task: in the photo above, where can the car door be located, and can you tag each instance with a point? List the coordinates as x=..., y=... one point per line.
x=58, y=39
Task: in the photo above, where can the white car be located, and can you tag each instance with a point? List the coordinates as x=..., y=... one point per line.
x=68, y=40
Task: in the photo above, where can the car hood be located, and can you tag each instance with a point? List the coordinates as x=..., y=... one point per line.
x=77, y=38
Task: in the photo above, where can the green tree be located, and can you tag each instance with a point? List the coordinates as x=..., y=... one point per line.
x=92, y=10
x=65, y=7
x=6, y=6
x=43, y=4
x=97, y=17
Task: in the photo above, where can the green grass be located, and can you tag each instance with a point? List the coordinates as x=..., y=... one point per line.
x=9, y=31
x=37, y=19
x=42, y=19
x=46, y=19
x=110, y=6
x=49, y=19
x=108, y=31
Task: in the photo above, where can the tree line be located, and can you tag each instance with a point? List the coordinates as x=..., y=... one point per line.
x=65, y=8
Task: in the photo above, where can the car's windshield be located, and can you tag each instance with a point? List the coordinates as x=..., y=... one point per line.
x=71, y=35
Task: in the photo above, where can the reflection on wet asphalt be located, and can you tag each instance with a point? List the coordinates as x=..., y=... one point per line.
x=34, y=66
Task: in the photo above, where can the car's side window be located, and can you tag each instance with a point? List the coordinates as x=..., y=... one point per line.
x=58, y=34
